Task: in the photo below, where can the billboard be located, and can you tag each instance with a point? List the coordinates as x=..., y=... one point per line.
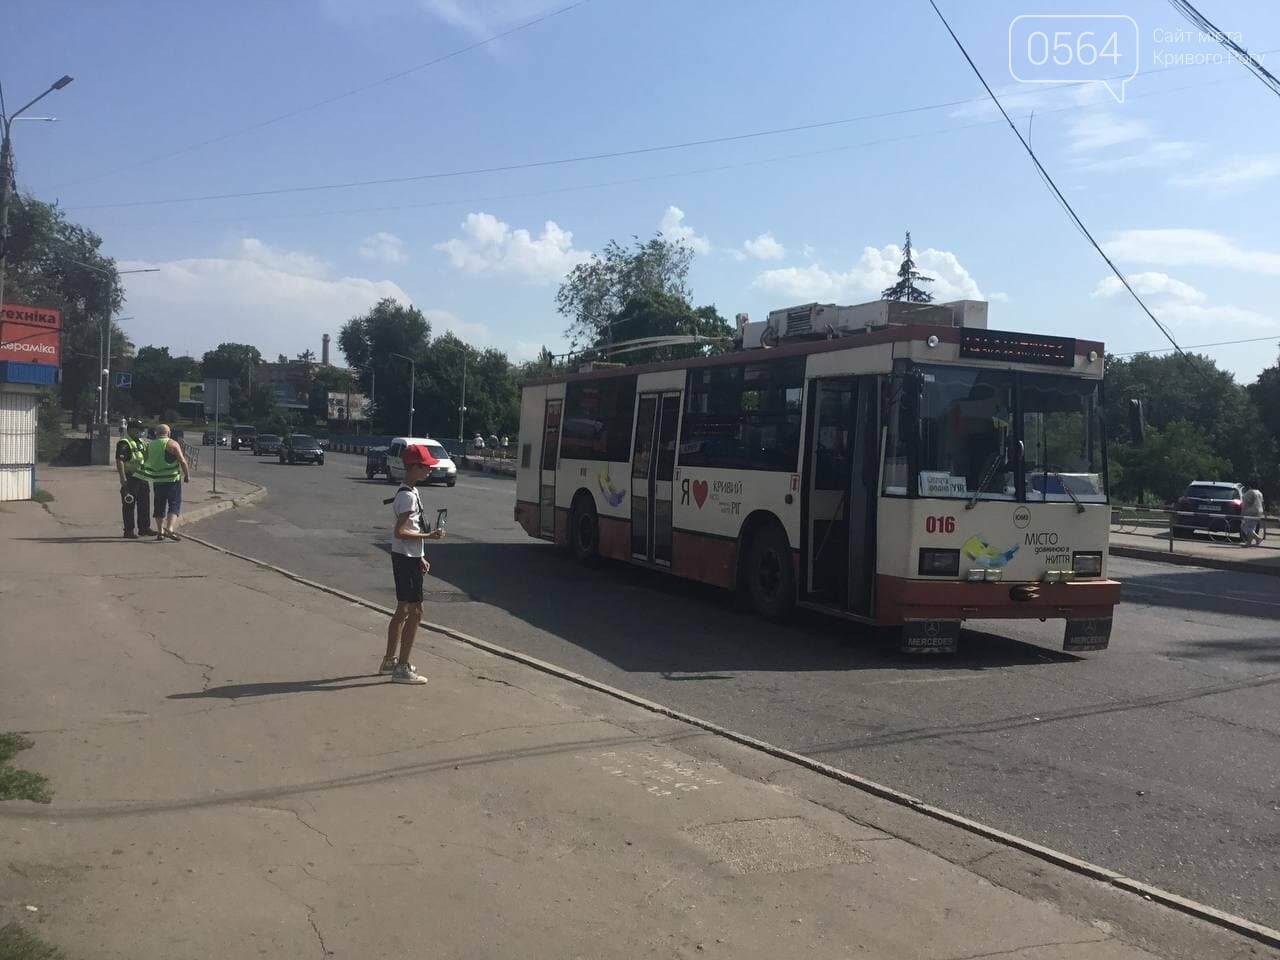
x=217, y=392
x=31, y=334
x=346, y=406
x=190, y=391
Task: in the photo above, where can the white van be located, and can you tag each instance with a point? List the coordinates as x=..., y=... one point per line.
x=445, y=471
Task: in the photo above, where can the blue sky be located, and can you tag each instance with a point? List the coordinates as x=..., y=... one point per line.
x=1179, y=182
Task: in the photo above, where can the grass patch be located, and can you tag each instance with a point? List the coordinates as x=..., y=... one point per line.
x=17, y=944
x=41, y=496
x=18, y=784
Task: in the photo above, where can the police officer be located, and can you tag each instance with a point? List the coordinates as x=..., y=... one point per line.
x=135, y=492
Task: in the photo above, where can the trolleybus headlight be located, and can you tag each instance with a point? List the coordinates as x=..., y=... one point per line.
x=1087, y=564
x=939, y=563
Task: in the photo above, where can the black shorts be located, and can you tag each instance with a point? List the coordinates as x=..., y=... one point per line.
x=408, y=574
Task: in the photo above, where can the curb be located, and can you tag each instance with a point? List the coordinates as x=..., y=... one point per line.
x=208, y=510
x=1191, y=560
x=1219, y=918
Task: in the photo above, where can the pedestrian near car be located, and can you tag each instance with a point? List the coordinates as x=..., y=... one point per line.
x=408, y=565
x=1251, y=514
x=165, y=465
x=135, y=492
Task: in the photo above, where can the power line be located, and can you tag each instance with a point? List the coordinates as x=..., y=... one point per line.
x=1075, y=218
x=399, y=75
x=1199, y=20
x=1200, y=346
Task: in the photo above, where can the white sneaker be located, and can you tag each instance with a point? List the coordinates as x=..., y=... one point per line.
x=388, y=665
x=404, y=673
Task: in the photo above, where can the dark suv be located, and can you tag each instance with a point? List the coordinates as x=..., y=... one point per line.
x=375, y=461
x=299, y=448
x=1212, y=505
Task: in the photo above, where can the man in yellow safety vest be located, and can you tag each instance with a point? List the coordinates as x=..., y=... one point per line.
x=135, y=492
x=164, y=464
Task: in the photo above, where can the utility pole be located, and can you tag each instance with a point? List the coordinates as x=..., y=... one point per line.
x=412, y=381
x=462, y=407
x=6, y=174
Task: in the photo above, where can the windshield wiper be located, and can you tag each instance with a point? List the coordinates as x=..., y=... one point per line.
x=996, y=464
x=1070, y=493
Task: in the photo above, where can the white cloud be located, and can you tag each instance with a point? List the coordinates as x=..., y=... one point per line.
x=764, y=247
x=1179, y=304
x=673, y=227
x=384, y=247
x=273, y=299
x=1160, y=153
x=1235, y=172
x=275, y=258
x=875, y=270
x=482, y=18
x=488, y=246
x=1097, y=130
x=1190, y=247
x=1149, y=284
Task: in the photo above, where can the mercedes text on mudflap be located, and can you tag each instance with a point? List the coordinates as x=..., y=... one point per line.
x=894, y=463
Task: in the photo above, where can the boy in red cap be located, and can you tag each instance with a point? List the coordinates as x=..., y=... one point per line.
x=408, y=565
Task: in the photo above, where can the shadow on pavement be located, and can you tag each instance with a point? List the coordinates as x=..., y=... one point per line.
x=1265, y=650
x=644, y=621
x=234, y=691
x=1214, y=591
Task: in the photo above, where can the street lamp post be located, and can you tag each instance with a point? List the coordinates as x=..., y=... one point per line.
x=412, y=380
x=462, y=406
x=6, y=174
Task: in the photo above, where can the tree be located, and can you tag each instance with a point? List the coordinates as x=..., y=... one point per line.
x=368, y=343
x=155, y=387
x=649, y=314
x=53, y=262
x=1169, y=459
x=908, y=276
x=595, y=293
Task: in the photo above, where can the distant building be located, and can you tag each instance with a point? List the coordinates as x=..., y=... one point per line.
x=288, y=381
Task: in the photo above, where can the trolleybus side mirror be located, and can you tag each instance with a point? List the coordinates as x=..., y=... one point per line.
x=1137, y=422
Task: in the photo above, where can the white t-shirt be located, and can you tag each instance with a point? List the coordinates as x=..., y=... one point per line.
x=407, y=501
x=1252, y=503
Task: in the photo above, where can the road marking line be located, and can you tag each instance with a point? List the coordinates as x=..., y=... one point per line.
x=1202, y=911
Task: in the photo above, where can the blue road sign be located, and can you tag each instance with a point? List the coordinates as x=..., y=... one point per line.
x=124, y=380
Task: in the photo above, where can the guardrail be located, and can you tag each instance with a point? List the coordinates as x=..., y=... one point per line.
x=1140, y=518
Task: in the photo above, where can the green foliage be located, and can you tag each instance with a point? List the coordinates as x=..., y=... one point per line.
x=1170, y=458
x=595, y=293
x=53, y=262
x=18, y=784
x=49, y=430
x=650, y=314
x=17, y=943
x=908, y=277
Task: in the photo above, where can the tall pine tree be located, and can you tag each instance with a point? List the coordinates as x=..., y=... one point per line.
x=908, y=277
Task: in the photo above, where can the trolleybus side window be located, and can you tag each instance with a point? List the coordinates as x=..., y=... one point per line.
x=745, y=416
x=597, y=419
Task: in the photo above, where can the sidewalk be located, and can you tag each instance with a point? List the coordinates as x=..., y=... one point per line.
x=232, y=780
x=1199, y=551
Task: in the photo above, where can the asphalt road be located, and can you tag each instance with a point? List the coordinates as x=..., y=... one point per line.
x=1159, y=757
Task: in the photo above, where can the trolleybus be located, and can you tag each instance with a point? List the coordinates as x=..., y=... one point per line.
x=895, y=464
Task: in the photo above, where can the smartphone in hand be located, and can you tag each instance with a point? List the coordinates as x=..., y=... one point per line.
x=442, y=518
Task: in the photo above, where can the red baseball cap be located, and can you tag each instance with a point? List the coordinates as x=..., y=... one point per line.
x=417, y=453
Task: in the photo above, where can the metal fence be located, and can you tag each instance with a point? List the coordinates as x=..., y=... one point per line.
x=1139, y=519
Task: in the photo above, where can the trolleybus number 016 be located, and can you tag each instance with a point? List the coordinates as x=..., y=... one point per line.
x=940, y=524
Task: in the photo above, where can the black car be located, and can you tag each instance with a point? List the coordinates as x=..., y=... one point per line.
x=1213, y=505
x=375, y=462
x=299, y=448
x=207, y=440
x=243, y=436
x=266, y=444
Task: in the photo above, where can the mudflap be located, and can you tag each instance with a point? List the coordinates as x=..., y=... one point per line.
x=930, y=636
x=1084, y=635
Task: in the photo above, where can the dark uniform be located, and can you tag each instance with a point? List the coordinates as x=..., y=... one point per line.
x=130, y=452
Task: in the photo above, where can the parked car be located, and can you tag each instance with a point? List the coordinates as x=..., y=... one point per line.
x=300, y=448
x=445, y=471
x=375, y=461
x=1213, y=505
x=266, y=444
x=243, y=435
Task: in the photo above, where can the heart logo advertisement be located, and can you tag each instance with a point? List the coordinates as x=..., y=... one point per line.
x=700, y=492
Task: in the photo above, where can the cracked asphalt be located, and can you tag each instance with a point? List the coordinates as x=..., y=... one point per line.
x=1158, y=757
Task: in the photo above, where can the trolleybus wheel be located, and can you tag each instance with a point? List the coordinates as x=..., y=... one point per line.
x=769, y=576
x=584, y=530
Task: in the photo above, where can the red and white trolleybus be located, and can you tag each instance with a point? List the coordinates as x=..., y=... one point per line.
x=896, y=464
